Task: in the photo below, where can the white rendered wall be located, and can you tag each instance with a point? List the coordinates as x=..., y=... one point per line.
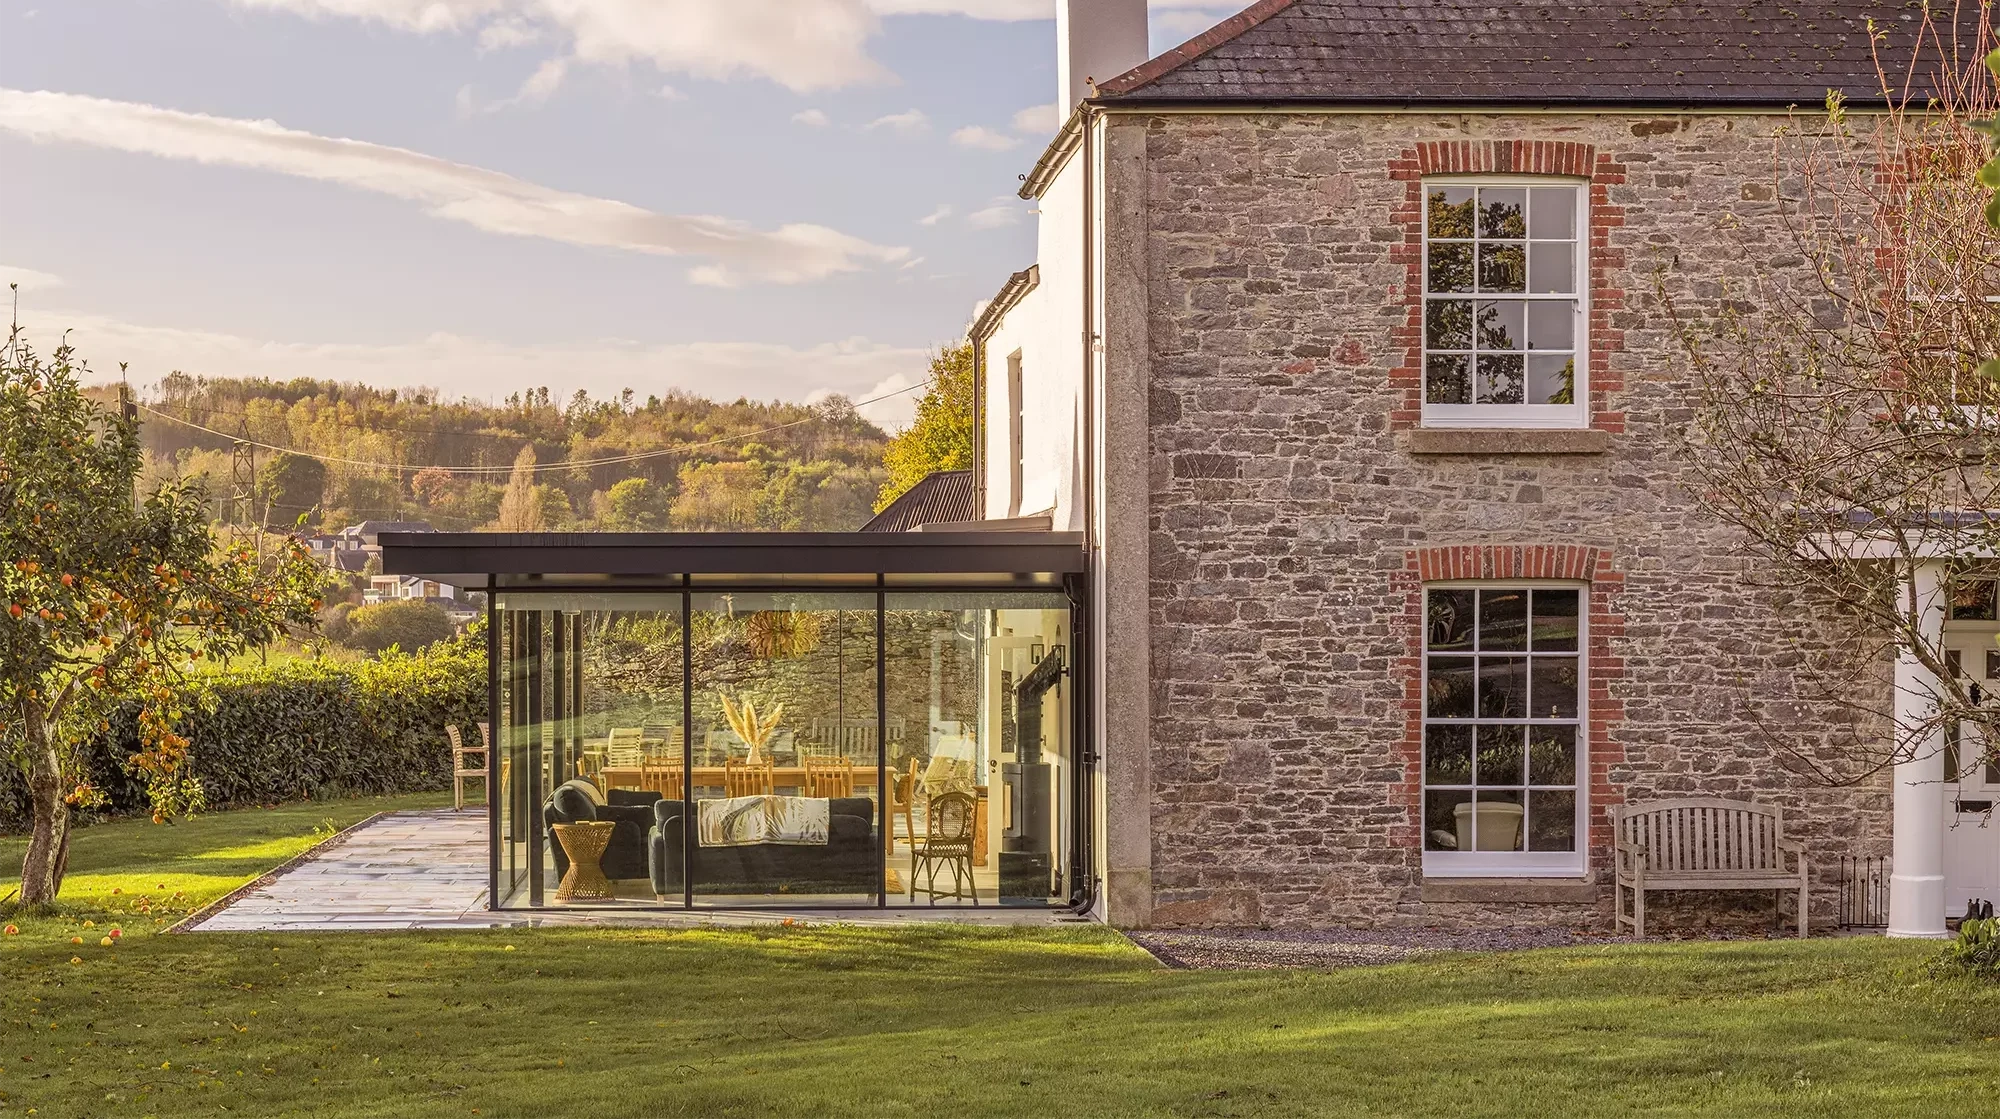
x=1046, y=328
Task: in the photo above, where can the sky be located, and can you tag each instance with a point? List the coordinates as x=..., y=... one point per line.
x=776, y=199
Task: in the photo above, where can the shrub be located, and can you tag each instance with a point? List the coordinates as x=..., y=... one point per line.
x=408, y=625
x=1976, y=951
x=302, y=729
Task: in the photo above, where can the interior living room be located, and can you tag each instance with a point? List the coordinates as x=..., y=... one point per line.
x=819, y=739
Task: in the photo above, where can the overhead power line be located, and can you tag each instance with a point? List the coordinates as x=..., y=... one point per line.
x=566, y=464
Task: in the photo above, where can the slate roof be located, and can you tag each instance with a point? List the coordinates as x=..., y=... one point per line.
x=943, y=497
x=1633, y=52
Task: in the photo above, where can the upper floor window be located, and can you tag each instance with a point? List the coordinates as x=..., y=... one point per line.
x=1504, y=302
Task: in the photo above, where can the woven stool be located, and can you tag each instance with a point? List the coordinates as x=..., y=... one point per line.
x=584, y=843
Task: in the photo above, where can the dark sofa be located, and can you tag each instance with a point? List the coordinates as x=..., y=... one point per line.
x=630, y=810
x=848, y=863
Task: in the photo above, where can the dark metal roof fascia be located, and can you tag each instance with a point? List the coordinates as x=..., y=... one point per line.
x=730, y=553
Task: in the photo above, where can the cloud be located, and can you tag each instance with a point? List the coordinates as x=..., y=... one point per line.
x=669, y=93
x=28, y=278
x=489, y=200
x=1193, y=19
x=901, y=392
x=811, y=118
x=935, y=216
x=1038, y=120
x=910, y=122
x=485, y=369
x=980, y=138
x=803, y=45
x=1000, y=212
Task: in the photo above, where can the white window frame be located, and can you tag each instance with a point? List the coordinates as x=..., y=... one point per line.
x=1510, y=864
x=1575, y=414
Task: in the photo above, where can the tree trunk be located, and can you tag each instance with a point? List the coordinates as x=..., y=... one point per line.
x=48, y=842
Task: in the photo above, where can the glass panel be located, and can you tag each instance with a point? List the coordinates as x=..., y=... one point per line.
x=1953, y=767
x=1499, y=380
x=1555, y=628
x=1555, y=688
x=1551, y=379
x=1451, y=211
x=1503, y=687
x=1447, y=754
x=1448, y=324
x=1502, y=267
x=1448, y=379
x=1552, y=212
x=1953, y=663
x=1500, y=324
x=1500, y=747
x=785, y=743
x=1498, y=819
x=1450, y=619
x=1503, y=620
x=1450, y=268
x=1552, y=820
x=1448, y=820
x=1992, y=664
x=980, y=700
x=1551, y=755
x=1551, y=325
x=1448, y=685
x=1552, y=267
x=1503, y=212
x=1972, y=600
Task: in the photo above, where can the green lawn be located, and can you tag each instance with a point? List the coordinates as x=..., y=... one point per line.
x=930, y=1021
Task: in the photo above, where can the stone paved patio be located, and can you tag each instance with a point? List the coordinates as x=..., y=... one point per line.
x=427, y=870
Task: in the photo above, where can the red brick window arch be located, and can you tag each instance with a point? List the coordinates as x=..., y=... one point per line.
x=1509, y=285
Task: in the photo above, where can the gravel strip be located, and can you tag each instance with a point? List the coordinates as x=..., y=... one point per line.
x=1335, y=948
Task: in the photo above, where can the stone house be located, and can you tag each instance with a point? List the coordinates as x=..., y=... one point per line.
x=1343, y=349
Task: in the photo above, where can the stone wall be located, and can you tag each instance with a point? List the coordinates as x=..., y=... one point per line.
x=1293, y=513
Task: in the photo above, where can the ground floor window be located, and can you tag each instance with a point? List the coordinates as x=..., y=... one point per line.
x=1503, y=729
x=728, y=746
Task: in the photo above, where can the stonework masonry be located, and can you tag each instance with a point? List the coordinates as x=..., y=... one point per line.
x=1293, y=521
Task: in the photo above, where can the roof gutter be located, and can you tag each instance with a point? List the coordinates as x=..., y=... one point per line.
x=1363, y=105
x=1054, y=156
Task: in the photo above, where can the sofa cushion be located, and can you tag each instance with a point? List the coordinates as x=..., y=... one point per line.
x=642, y=797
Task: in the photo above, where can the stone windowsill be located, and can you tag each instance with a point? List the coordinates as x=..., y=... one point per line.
x=1511, y=891
x=1506, y=441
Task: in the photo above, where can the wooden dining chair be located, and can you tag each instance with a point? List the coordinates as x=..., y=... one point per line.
x=460, y=771
x=947, y=843
x=902, y=802
x=829, y=775
x=742, y=778
x=662, y=775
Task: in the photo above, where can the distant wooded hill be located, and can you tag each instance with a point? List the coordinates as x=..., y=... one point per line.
x=386, y=454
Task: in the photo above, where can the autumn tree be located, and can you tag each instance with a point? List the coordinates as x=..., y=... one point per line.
x=107, y=599
x=290, y=487
x=940, y=437
x=1842, y=421
x=521, y=505
x=635, y=505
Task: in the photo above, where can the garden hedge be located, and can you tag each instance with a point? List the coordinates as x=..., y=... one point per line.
x=303, y=729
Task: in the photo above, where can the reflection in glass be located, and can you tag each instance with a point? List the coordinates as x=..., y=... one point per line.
x=1499, y=380
x=1501, y=324
x=1448, y=820
x=1503, y=212
x=1503, y=687
x=1552, y=213
x=1450, y=268
x=1552, y=820
x=1551, y=325
x=1449, y=686
x=1448, y=378
x=1448, y=324
x=1499, y=754
x=1451, y=211
x=1503, y=620
x=1552, y=269
x=1552, y=755
x=1972, y=600
x=1555, y=626
x=1448, y=754
x=1551, y=379
x=1502, y=267
x=1451, y=611
x=1498, y=819
x=1555, y=688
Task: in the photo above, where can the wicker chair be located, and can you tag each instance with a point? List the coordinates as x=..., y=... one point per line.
x=948, y=828
x=460, y=754
x=742, y=778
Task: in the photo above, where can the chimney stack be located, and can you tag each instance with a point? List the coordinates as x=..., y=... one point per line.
x=1096, y=39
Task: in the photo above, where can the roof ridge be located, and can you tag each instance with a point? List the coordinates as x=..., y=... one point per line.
x=1152, y=69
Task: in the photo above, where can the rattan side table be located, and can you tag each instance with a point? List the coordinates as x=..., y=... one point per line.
x=584, y=843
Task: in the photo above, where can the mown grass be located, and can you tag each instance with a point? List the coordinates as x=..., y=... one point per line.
x=936, y=1021
x=138, y=876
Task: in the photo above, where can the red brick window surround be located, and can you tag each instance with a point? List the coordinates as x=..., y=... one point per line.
x=1593, y=573
x=1563, y=161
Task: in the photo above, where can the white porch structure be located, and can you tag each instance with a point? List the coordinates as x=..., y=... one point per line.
x=1916, y=882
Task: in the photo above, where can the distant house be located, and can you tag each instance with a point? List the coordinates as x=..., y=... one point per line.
x=349, y=550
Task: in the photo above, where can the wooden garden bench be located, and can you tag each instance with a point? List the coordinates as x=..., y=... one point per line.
x=1702, y=843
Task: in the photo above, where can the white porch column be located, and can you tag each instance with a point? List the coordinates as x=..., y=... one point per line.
x=1916, y=881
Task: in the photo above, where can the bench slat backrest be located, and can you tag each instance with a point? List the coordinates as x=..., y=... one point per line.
x=1702, y=834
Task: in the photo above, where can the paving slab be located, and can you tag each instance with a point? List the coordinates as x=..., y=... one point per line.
x=427, y=870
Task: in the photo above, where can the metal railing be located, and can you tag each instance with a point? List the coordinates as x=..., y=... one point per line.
x=1864, y=892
